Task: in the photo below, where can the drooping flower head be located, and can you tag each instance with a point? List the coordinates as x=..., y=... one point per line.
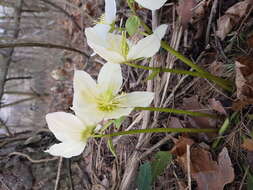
x=116, y=48
x=71, y=131
x=151, y=4
x=102, y=100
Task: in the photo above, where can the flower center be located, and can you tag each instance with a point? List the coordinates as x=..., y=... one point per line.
x=107, y=102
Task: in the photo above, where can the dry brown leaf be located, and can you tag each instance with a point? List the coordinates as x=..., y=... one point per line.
x=185, y=12
x=244, y=82
x=231, y=18
x=209, y=174
x=193, y=104
x=217, y=106
x=250, y=41
x=175, y=123
x=247, y=144
x=217, y=68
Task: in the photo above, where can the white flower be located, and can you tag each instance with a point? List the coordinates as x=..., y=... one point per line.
x=151, y=4
x=117, y=49
x=71, y=131
x=101, y=100
x=106, y=20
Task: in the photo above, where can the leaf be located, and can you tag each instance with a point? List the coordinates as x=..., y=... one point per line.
x=132, y=25
x=247, y=144
x=250, y=181
x=209, y=174
x=217, y=106
x=144, y=179
x=231, y=18
x=244, y=82
x=118, y=122
x=184, y=11
x=111, y=147
x=162, y=159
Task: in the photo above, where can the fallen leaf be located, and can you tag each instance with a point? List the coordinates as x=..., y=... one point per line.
x=250, y=41
x=174, y=122
x=244, y=82
x=217, y=106
x=185, y=12
x=209, y=174
x=193, y=104
x=231, y=18
x=217, y=68
x=247, y=144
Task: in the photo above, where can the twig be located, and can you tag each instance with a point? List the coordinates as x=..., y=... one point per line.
x=17, y=78
x=6, y=128
x=18, y=102
x=42, y=45
x=32, y=160
x=244, y=176
x=151, y=149
x=58, y=174
x=69, y=174
x=213, y=12
x=188, y=154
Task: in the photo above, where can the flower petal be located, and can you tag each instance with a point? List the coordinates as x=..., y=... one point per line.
x=108, y=49
x=67, y=149
x=65, y=126
x=110, y=11
x=110, y=78
x=137, y=99
x=151, y=4
x=101, y=30
x=90, y=111
x=148, y=46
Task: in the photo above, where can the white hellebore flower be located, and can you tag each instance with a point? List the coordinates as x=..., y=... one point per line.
x=151, y=4
x=71, y=131
x=104, y=25
x=117, y=49
x=101, y=100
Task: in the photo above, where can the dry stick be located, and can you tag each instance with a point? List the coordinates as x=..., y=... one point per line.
x=32, y=160
x=18, y=102
x=188, y=155
x=2, y=123
x=213, y=12
x=42, y=45
x=63, y=11
x=17, y=78
x=58, y=174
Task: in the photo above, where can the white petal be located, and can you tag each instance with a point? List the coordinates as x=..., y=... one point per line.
x=151, y=4
x=110, y=78
x=137, y=99
x=67, y=149
x=110, y=11
x=108, y=49
x=102, y=30
x=161, y=30
x=65, y=126
x=90, y=111
x=148, y=46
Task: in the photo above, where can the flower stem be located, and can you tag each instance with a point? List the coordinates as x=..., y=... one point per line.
x=227, y=85
x=158, y=130
x=177, y=111
x=178, y=71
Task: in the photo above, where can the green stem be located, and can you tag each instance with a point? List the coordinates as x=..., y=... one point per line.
x=158, y=130
x=177, y=71
x=221, y=82
x=177, y=111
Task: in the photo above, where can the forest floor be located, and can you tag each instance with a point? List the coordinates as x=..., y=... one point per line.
x=216, y=35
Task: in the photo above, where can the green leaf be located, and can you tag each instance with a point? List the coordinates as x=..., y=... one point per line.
x=118, y=122
x=144, y=179
x=132, y=25
x=250, y=181
x=152, y=75
x=162, y=159
x=111, y=147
